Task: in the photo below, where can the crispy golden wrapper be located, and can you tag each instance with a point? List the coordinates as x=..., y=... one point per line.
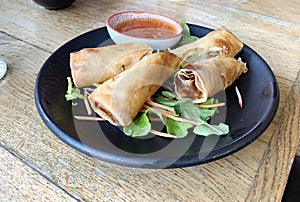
x=96, y=65
x=201, y=81
x=119, y=99
x=229, y=44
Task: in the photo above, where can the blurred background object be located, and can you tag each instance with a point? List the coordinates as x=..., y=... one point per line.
x=3, y=68
x=54, y=4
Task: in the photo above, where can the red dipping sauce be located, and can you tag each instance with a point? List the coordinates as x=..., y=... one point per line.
x=147, y=28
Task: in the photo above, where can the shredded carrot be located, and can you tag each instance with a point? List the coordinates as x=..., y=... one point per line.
x=162, y=111
x=154, y=119
x=211, y=105
x=155, y=104
x=184, y=120
x=175, y=116
x=155, y=132
x=89, y=118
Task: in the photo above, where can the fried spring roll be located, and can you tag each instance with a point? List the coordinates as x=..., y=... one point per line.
x=96, y=65
x=229, y=44
x=201, y=81
x=196, y=55
x=119, y=99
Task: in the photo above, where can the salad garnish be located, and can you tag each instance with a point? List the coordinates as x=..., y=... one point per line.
x=186, y=37
x=178, y=116
x=72, y=92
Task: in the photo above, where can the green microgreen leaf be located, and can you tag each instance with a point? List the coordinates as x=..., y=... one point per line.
x=186, y=37
x=179, y=129
x=72, y=92
x=206, y=129
x=207, y=113
x=140, y=126
x=168, y=94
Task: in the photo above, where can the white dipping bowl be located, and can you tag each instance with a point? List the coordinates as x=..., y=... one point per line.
x=161, y=42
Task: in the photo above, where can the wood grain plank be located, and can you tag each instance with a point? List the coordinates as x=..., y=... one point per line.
x=40, y=27
x=281, y=149
x=19, y=182
x=281, y=11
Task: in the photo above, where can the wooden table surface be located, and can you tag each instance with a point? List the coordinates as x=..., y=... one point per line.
x=36, y=166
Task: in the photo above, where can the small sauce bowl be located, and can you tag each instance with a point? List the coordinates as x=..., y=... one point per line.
x=159, y=31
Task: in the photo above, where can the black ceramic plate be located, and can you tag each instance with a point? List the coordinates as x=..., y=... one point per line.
x=106, y=142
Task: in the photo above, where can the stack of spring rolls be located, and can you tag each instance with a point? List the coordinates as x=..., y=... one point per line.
x=210, y=66
x=127, y=75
